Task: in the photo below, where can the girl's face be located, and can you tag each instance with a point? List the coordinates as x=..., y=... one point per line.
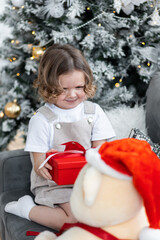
x=73, y=90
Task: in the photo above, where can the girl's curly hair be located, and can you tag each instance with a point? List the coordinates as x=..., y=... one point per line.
x=57, y=60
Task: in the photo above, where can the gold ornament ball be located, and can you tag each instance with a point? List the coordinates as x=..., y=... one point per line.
x=12, y=109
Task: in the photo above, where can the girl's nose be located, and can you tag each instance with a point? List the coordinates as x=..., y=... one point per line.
x=72, y=93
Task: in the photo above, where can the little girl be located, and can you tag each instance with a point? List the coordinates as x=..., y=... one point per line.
x=64, y=82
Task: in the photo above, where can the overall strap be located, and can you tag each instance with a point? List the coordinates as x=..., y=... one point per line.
x=89, y=107
x=47, y=112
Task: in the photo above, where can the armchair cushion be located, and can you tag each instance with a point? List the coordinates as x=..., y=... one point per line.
x=16, y=227
x=15, y=168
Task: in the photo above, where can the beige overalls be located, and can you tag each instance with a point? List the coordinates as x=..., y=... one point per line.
x=47, y=192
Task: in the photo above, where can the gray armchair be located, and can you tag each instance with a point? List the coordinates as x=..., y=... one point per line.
x=15, y=168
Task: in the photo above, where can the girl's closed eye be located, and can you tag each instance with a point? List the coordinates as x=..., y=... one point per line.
x=80, y=87
x=65, y=90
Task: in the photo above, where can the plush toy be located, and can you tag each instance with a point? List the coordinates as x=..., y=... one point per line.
x=116, y=195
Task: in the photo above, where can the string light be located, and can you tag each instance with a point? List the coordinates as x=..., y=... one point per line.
x=37, y=52
x=139, y=66
x=120, y=80
x=113, y=78
x=143, y=43
x=1, y=114
x=12, y=59
x=114, y=11
x=130, y=35
x=13, y=41
x=18, y=74
x=99, y=24
x=33, y=32
x=117, y=85
x=148, y=64
x=88, y=8
x=89, y=35
x=22, y=6
x=13, y=8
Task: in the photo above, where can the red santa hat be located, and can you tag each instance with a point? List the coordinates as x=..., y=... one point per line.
x=133, y=160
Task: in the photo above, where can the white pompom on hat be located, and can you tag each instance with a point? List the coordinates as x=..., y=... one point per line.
x=133, y=159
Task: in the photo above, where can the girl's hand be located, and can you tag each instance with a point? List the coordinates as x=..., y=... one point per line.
x=43, y=172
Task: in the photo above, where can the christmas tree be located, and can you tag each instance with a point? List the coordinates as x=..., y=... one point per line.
x=119, y=38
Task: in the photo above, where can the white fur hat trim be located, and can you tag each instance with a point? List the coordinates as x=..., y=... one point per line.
x=149, y=234
x=93, y=157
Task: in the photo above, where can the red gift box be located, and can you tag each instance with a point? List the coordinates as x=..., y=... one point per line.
x=66, y=165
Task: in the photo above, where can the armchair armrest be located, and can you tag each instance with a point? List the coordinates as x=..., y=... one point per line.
x=15, y=169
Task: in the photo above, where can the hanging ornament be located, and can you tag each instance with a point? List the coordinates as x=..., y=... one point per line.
x=118, y=5
x=12, y=109
x=126, y=5
x=53, y=8
x=155, y=18
x=17, y=3
x=127, y=8
x=37, y=52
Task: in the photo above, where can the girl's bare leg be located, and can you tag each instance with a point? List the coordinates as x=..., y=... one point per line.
x=47, y=216
x=52, y=217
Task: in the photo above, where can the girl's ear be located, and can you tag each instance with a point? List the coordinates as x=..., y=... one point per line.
x=91, y=184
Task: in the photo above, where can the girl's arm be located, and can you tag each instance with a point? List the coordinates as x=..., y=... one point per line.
x=97, y=143
x=43, y=172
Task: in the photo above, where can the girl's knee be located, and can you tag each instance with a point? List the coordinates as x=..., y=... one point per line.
x=71, y=219
x=67, y=209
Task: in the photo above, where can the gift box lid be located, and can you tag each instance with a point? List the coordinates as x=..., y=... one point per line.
x=74, y=153
x=74, y=160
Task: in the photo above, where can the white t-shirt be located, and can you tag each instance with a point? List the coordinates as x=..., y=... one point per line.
x=41, y=132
